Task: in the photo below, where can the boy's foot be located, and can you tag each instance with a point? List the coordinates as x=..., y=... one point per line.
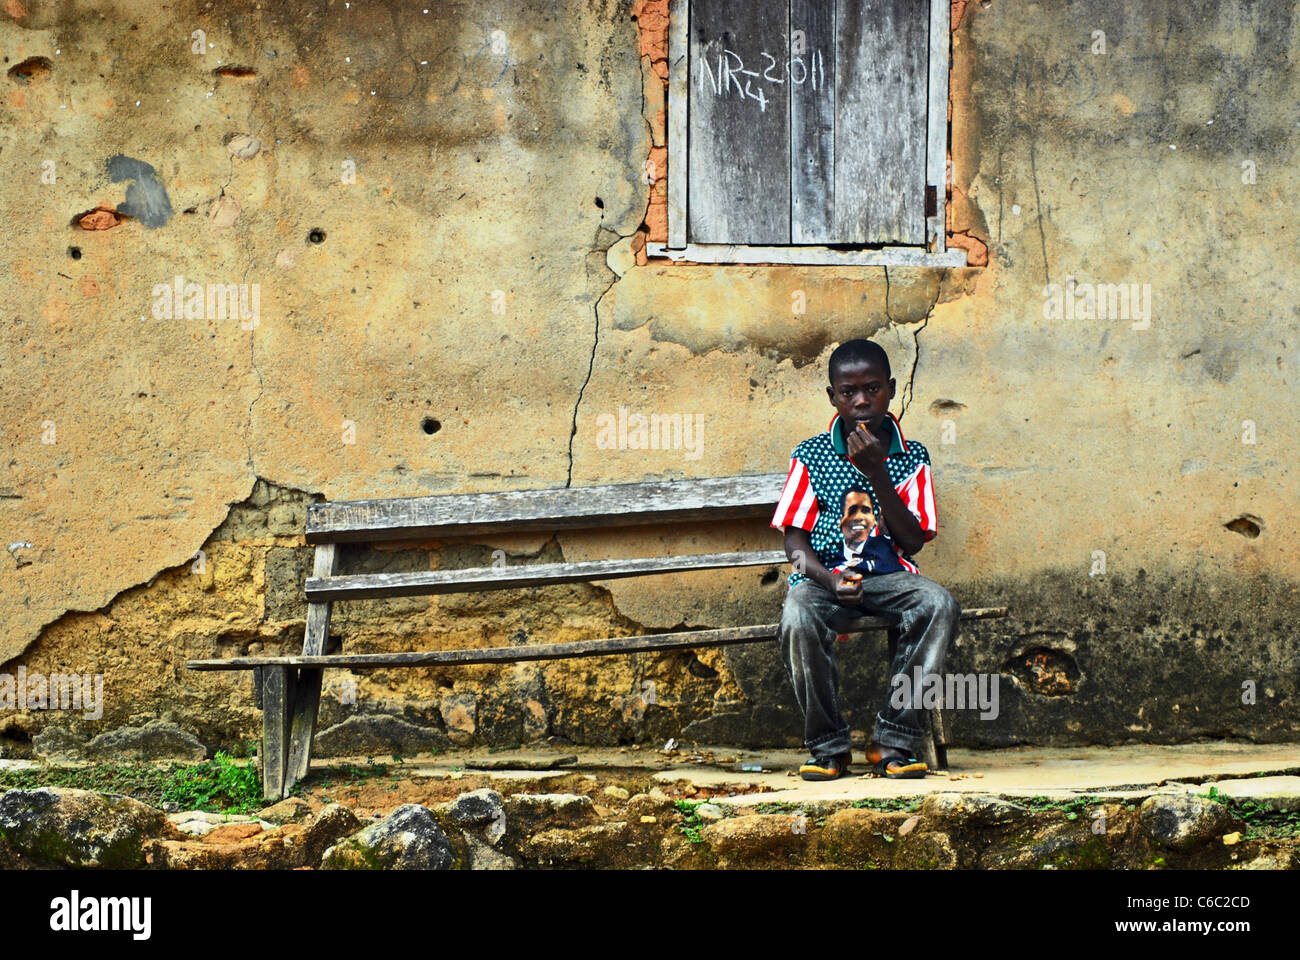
x=894, y=763
x=830, y=769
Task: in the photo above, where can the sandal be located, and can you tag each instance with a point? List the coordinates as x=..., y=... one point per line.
x=831, y=769
x=895, y=765
x=901, y=768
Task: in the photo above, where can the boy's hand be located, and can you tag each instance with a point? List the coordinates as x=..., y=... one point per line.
x=866, y=450
x=848, y=588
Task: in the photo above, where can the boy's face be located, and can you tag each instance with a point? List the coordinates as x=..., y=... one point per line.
x=861, y=392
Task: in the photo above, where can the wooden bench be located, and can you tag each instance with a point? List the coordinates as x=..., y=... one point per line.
x=289, y=687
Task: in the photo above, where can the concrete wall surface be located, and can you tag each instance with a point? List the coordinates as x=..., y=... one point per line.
x=437, y=220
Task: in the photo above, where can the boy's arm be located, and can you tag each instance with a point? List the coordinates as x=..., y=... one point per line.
x=798, y=547
x=795, y=517
x=867, y=451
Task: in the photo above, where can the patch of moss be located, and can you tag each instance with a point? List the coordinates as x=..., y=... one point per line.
x=889, y=804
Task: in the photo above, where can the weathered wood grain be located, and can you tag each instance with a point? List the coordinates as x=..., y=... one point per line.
x=306, y=703
x=276, y=698
x=618, y=504
x=812, y=121
x=880, y=120
x=558, y=651
x=936, y=148
x=427, y=582
x=739, y=140
x=678, y=114
x=829, y=256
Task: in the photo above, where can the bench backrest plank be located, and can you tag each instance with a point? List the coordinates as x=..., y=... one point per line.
x=422, y=582
x=619, y=504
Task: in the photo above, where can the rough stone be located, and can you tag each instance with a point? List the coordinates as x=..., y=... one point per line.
x=756, y=837
x=372, y=734
x=603, y=843
x=459, y=716
x=409, y=838
x=974, y=809
x=927, y=851
x=1183, y=823
x=58, y=744
x=475, y=807
x=156, y=740
x=333, y=823
x=484, y=857
x=529, y=811
x=856, y=837
x=230, y=832
x=80, y=828
x=288, y=810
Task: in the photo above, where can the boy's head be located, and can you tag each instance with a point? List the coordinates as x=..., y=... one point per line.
x=861, y=386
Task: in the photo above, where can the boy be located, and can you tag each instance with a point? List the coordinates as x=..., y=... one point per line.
x=857, y=505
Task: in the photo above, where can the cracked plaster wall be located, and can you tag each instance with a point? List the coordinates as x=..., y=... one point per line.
x=506, y=170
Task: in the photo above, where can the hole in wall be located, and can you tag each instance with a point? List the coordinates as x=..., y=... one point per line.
x=235, y=72
x=946, y=407
x=1248, y=525
x=74, y=253
x=697, y=668
x=1046, y=672
x=15, y=733
x=770, y=577
x=316, y=235
x=32, y=70
x=430, y=425
x=98, y=218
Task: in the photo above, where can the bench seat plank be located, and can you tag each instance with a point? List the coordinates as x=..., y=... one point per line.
x=684, y=640
x=619, y=504
x=418, y=583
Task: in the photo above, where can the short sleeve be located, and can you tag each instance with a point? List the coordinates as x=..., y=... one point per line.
x=798, y=504
x=917, y=495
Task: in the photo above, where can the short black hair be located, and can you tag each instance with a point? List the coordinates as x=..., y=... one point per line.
x=857, y=351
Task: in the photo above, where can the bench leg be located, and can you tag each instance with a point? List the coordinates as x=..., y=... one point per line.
x=277, y=695
x=939, y=732
x=306, y=703
x=302, y=725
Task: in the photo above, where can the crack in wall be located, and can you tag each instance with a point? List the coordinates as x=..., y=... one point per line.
x=644, y=61
x=906, y=400
x=1038, y=200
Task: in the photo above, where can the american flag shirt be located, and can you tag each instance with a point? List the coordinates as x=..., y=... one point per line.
x=821, y=475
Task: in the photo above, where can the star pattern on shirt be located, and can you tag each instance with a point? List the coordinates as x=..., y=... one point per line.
x=832, y=475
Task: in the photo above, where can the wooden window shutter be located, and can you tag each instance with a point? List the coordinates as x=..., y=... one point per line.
x=739, y=140
x=820, y=140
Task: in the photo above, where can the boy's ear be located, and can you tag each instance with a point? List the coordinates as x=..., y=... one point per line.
x=830, y=394
x=891, y=388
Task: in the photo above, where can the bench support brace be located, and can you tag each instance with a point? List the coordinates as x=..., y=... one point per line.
x=302, y=707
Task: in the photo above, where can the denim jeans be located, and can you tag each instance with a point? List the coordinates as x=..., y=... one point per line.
x=927, y=618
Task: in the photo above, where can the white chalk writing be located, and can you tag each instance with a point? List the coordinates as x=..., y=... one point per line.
x=730, y=71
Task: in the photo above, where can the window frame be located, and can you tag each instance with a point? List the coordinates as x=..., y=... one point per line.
x=935, y=252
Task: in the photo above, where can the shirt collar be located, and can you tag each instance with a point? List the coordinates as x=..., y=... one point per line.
x=897, y=444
